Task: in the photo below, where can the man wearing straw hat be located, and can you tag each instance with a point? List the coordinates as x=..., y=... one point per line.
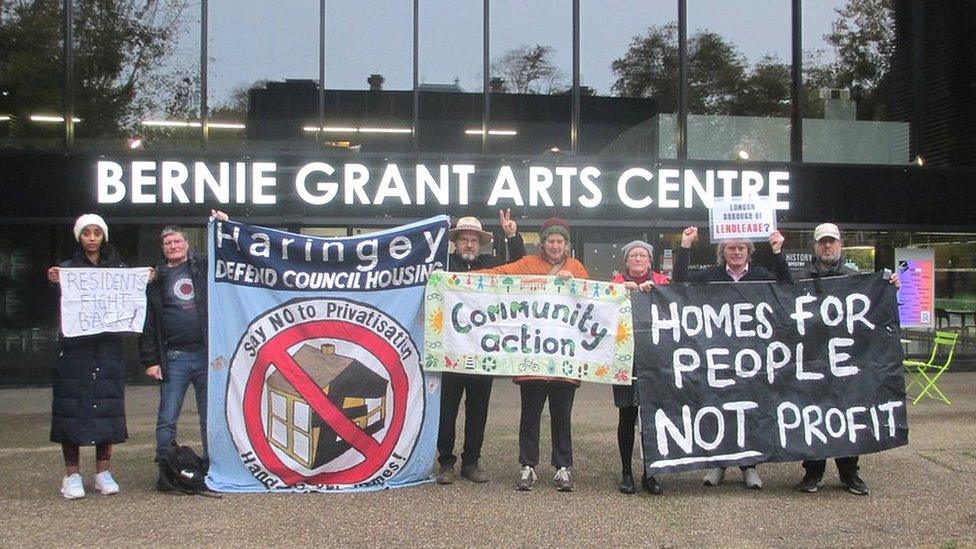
x=468, y=238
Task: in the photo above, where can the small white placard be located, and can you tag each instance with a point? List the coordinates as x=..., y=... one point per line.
x=742, y=218
x=95, y=301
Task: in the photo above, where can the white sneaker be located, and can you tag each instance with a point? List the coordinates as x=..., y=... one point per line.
x=527, y=478
x=751, y=478
x=714, y=476
x=72, y=487
x=562, y=480
x=105, y=484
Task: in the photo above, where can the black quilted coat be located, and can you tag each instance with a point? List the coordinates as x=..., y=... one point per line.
x=89, y=380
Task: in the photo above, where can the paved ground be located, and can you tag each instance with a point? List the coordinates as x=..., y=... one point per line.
x=921, y=494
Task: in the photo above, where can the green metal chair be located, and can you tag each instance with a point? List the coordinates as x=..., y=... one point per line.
x=926, y=374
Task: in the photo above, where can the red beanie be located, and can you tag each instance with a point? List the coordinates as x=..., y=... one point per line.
x=554, y=225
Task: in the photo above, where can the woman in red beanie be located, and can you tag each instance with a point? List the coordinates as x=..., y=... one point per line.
x=553, y=259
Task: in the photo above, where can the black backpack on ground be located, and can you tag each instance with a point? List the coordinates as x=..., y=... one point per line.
x=184, y=470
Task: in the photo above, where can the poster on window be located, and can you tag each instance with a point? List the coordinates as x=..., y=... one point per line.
x=916, y=298
x=315, y=367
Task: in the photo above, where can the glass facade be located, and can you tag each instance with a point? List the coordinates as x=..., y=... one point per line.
x=143, y=89
x=263, y=98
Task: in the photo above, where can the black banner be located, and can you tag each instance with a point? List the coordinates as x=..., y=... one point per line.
x=743, y=373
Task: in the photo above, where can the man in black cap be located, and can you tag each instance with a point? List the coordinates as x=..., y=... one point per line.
x=468, y=237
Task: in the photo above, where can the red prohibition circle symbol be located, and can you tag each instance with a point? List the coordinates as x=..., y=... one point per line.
x=275, y=351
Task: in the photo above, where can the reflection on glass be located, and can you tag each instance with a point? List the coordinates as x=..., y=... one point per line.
x=629, y=74
x=531, y=73
x=324, y=231
x=849, y=89
x=738, y=81
x=602, y=251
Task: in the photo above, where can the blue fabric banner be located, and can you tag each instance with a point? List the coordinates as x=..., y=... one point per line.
x=315, y=371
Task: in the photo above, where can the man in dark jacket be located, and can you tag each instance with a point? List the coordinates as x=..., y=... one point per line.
x=173, y=344
x=733, y=261
x=734, y=264
x=468, y=237
x=828, y=262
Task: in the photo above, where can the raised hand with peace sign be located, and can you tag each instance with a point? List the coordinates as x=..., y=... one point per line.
x=508, y=224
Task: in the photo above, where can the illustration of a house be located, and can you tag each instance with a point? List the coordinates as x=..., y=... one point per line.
x=295, y=428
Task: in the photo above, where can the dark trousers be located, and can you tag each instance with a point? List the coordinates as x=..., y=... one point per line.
x=626, y=421
x=846, y=467
x=453, y=386
x=534, y=395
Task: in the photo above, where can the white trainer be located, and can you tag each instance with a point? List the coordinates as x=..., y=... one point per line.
x=72, y=487
x=527, y=478
x=563, y=480
x=105, y=484
x=714, y=476
x=751, y=478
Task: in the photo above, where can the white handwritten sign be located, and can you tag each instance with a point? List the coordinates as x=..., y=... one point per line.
x=94, y=301
x=742, y=218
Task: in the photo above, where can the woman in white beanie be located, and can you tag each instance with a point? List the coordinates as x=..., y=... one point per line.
x=88, y=408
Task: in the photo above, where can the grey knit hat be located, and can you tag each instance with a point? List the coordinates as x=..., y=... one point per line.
x=637, y=244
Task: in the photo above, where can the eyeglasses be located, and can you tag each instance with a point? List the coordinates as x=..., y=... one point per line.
x=637, y=254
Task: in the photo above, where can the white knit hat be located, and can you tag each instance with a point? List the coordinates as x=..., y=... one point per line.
x=90, y=219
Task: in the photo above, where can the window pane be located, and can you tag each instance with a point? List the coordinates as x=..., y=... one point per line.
x=279, y=432
x=602, y=251
x=301, y=420
x=369, y=76
x=263, y=73
x=849, y=97
x=532, y=54
x=451, y=82
x=623, y=87
x=31, y=84
x=739, y=80
x=157, y=53
x=123, y=70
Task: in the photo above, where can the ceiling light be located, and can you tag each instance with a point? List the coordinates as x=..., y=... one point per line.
x=385, y=130
x=170, y=123
x=491, y=132
x=226, y=125
x=46, y=118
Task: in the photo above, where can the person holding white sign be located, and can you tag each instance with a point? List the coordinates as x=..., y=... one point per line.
x=636, y=276
x=828, y=262
x=553, y=259
x=734, y=264
x=88, y=408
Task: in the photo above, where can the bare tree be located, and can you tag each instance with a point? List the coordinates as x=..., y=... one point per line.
x=528, y=69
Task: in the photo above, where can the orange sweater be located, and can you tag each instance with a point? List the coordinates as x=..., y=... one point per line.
x=535, y=265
